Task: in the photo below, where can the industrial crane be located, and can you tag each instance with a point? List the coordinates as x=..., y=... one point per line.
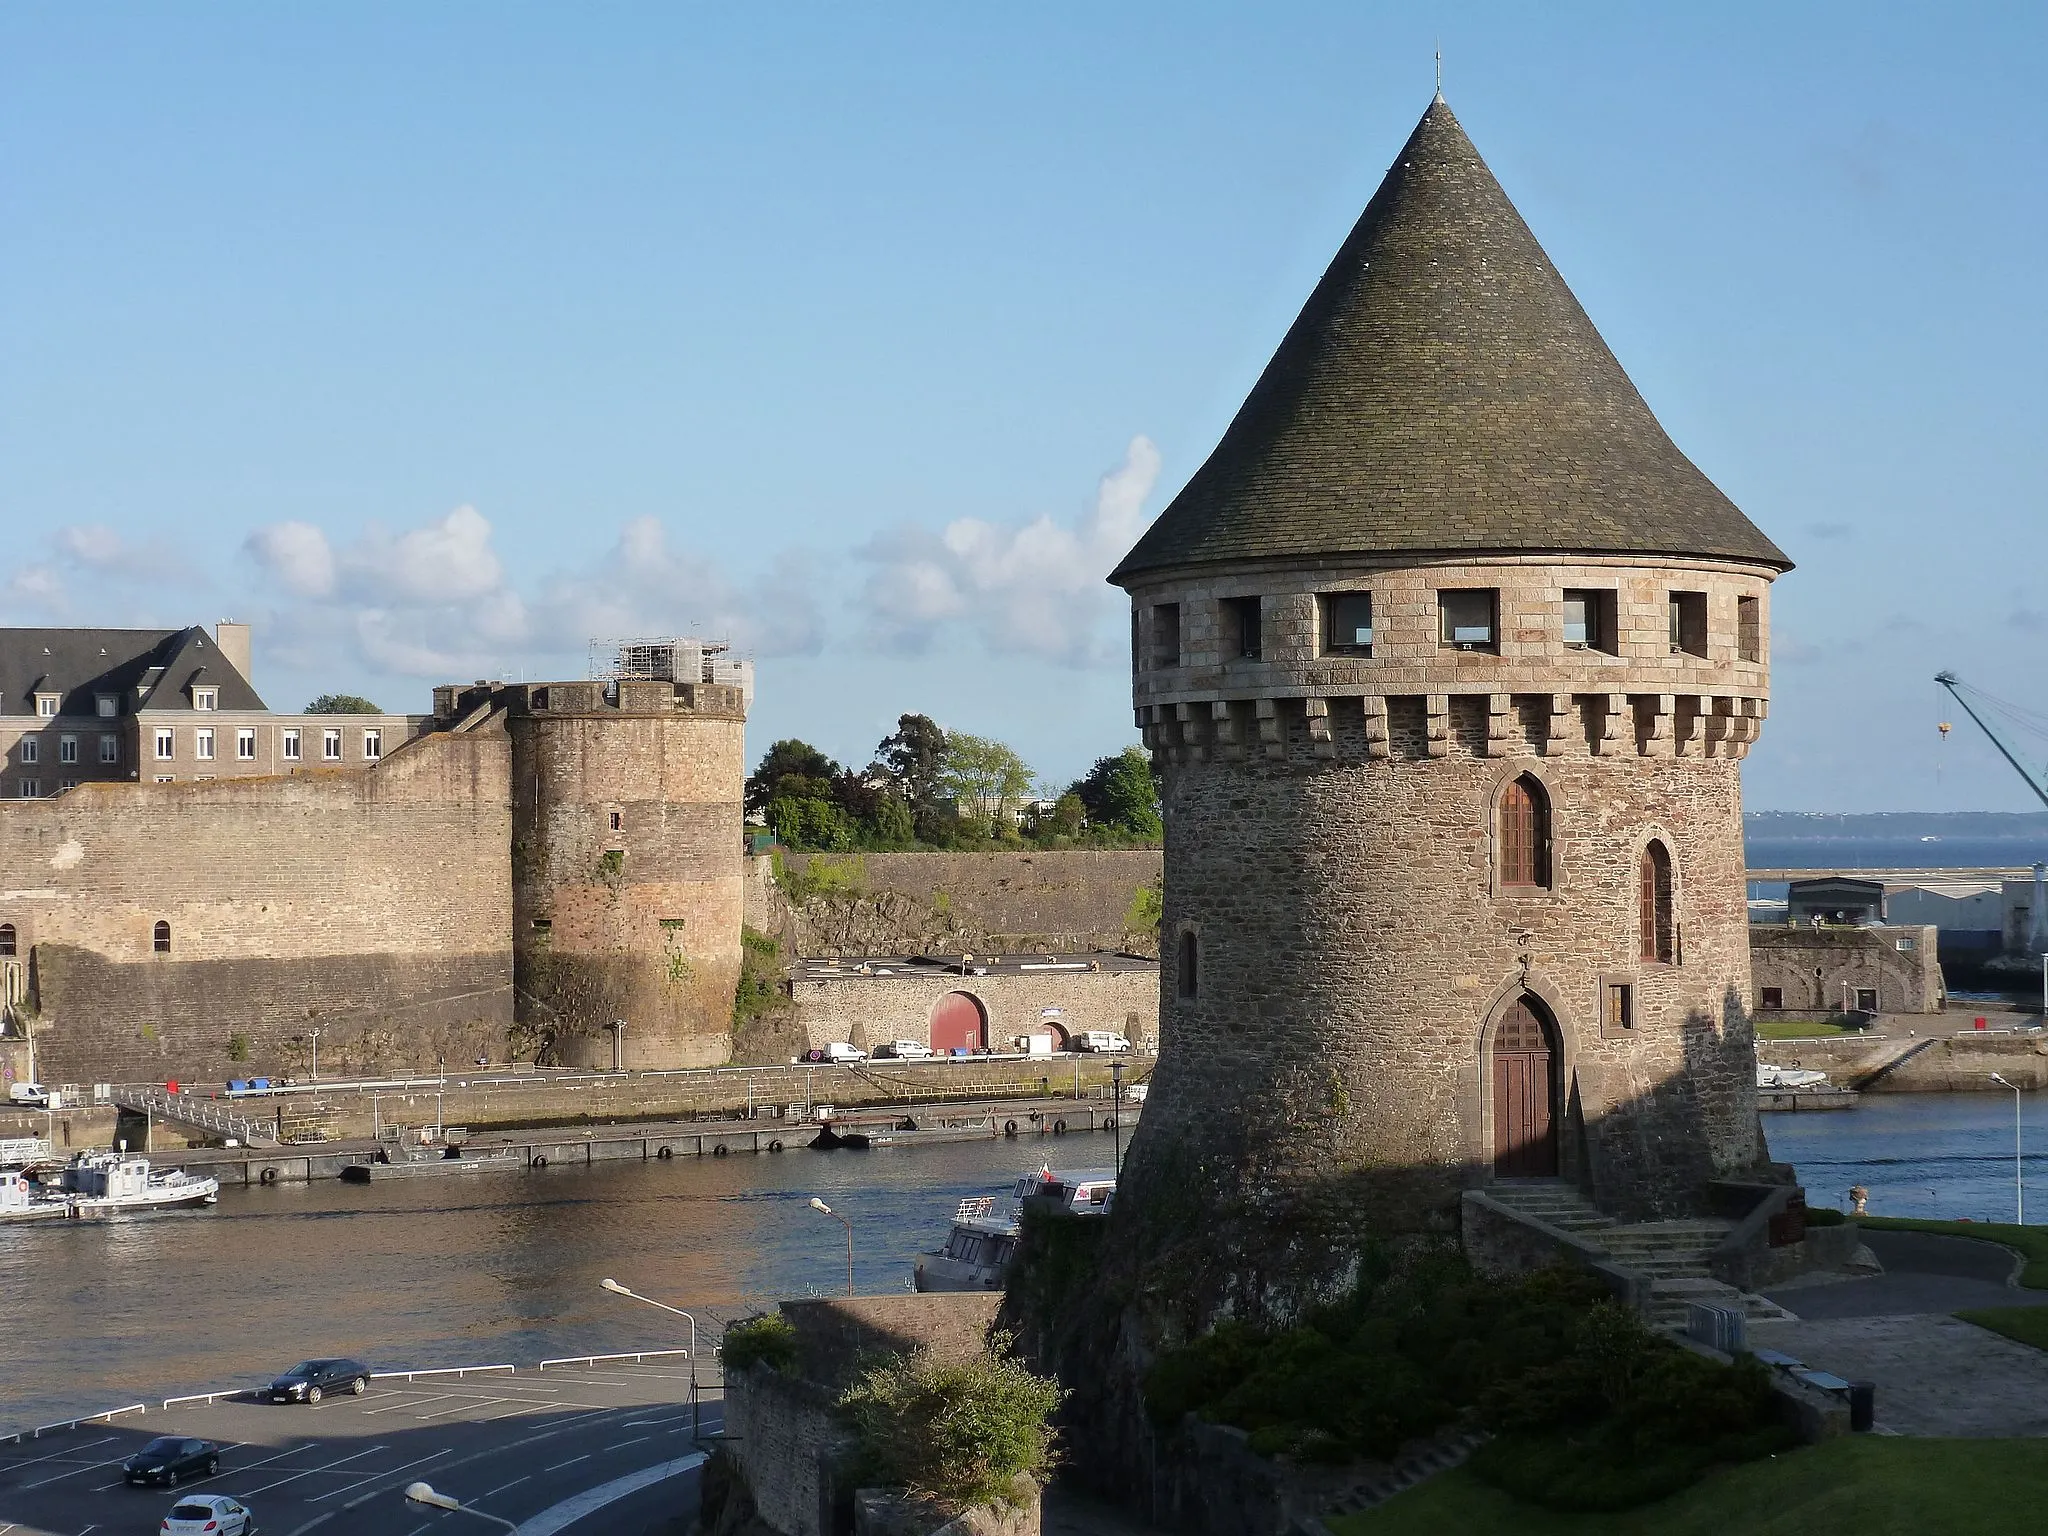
x=2016, y=718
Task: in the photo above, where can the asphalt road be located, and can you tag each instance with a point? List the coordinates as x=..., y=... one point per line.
x=570, y=1451
x=1923, y=1272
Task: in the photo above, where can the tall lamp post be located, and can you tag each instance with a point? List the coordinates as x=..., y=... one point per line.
x=2019, y=1183
x=424, y=1493
x=1116, y=1114
x=819, y=1205
x=619, y=1290
x=316, y=1078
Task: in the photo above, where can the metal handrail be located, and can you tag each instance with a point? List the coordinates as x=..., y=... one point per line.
x=636, y=1356
x=441, y=1370
x=109, y=1415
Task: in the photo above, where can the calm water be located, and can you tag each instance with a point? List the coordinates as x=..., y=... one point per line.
x=507, y=1267
x=1944, y=1155
x=477, y=1270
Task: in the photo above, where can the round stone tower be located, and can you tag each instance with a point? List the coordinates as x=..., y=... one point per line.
x=1447, y=659
x=627, y=867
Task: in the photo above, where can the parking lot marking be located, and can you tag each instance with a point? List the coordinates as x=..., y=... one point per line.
x=434, y=1397
x=66, y=1454
x=641, y=1423
x=328, y=1467
x=497, y=1490
x=371, y=1477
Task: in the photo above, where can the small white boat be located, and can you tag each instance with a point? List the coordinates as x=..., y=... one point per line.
x=1768, y=1076
x=95, y=1184
x=984, y=1237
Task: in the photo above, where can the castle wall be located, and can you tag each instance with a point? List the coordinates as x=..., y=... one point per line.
x=374, y=906
x=1821, y=970
x=868, y=1010
x=627, y=868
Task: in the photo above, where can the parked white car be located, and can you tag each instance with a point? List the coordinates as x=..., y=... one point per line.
x=209, y=1514
x=840, y=1050
x=904, y=1050
x=1100, y=1040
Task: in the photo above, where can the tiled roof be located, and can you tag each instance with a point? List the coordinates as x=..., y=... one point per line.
x=1442, y=391
x=146, y=668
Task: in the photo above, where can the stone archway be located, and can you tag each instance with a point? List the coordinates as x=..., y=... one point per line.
x=1527, y=1077
x=959, y=1022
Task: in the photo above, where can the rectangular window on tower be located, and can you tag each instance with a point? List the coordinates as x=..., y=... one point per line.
x=1166, y=634
x=1689, y=623
x=1749, y=628
x=1617, y=1007
x=1347, y=623
x=1471, y=618
x=1589, y=619
x=1242, y=639
x=1770, y=997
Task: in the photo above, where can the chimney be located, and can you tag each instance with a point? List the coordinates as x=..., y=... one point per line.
x=232, y=640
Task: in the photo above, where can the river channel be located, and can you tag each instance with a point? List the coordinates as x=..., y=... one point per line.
x=505, y=1267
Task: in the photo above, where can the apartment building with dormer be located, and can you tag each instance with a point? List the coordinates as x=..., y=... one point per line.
x=159, y=706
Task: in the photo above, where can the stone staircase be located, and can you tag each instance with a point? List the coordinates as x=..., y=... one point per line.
x=1672, y=1253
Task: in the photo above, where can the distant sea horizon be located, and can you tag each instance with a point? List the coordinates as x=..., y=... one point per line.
x=1895, y=840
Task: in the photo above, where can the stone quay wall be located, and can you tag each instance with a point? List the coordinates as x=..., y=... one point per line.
x=373, y=906
x=868, y=1010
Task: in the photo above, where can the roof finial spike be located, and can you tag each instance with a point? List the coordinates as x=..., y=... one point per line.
x=1439, y=74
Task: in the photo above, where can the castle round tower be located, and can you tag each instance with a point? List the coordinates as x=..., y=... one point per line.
x=627, y=884
x=1447, y=658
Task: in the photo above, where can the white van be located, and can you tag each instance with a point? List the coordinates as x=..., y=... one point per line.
x=839, y=1050
x=1100, y=1040
x=30, y=1095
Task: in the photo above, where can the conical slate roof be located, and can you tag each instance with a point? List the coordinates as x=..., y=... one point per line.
x=1443, y=391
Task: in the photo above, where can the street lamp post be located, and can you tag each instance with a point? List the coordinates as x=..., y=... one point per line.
x=424, y=1493
x=619, y=1290
x=316, y=1076
x=1116, y=1114
x=819, y=1205
x=2019, y=1183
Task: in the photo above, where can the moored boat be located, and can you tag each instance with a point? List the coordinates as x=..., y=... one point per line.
x=983, y=1240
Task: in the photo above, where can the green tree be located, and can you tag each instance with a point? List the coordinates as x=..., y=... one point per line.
x=987, y=778
x=913, y=762
x=790, y=759
x=342, y=704
x=891, y=825
x=1120, y=793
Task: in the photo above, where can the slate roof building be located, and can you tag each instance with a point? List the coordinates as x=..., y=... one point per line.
x=80, y=705
x=1447, y=657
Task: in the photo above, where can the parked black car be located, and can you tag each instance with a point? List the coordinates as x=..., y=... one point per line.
x=170, y=1460
x=311, y=1380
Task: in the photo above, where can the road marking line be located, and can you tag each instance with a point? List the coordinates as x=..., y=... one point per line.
x=569, y=1463
x=673, y=1418
x=561, y=1516
x=90, y=1466
x=480, y=1497
x=461, y=1407
x=437, y=1397
x=447, y=1450
x=66, y=1455
x=308, y=1472
x=622, y=1444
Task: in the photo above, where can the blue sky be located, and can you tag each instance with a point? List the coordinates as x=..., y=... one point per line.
x=434, y=340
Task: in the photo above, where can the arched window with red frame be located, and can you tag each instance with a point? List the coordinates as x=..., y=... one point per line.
x=1525, y=834
x=1656, y=918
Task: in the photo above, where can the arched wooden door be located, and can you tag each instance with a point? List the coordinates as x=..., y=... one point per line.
x=958, y=1023
x=1524, y=1096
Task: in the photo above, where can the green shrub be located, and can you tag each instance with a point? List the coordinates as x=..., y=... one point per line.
x=767, y=1340
x=1563, y=1377
x=238, y=1047
x=1824, y=1216
x=957, y=1432
x=759, y=989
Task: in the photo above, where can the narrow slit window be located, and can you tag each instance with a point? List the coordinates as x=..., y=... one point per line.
x=1187, y=965
x=1242, y=637
x=7, y=940
x=1618, y=1008
x=1656, y=918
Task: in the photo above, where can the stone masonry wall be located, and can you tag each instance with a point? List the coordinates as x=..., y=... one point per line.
x=1060, y=901
x=374, y=906
x=867, y=1010
x=1820, y=970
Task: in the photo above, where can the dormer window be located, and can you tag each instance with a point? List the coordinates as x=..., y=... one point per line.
x=206, y=698
x=46, y=704
x=107, y=704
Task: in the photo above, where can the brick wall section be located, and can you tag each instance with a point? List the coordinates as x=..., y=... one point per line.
x=834, y=1333
x=1820, y=970
x=642, y=919
x=1062, y=900
x=373, y=905
x=867, y=1010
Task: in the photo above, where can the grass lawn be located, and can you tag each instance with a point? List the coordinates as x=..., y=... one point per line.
x=2029, y=1240
x=1864, y=1485
x=2029, y=1325
x=1793, y=1029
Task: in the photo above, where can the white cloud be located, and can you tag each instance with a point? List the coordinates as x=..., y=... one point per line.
x=450, y=561
x=38, y=586
x=1036, y=587
x=296, y=555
